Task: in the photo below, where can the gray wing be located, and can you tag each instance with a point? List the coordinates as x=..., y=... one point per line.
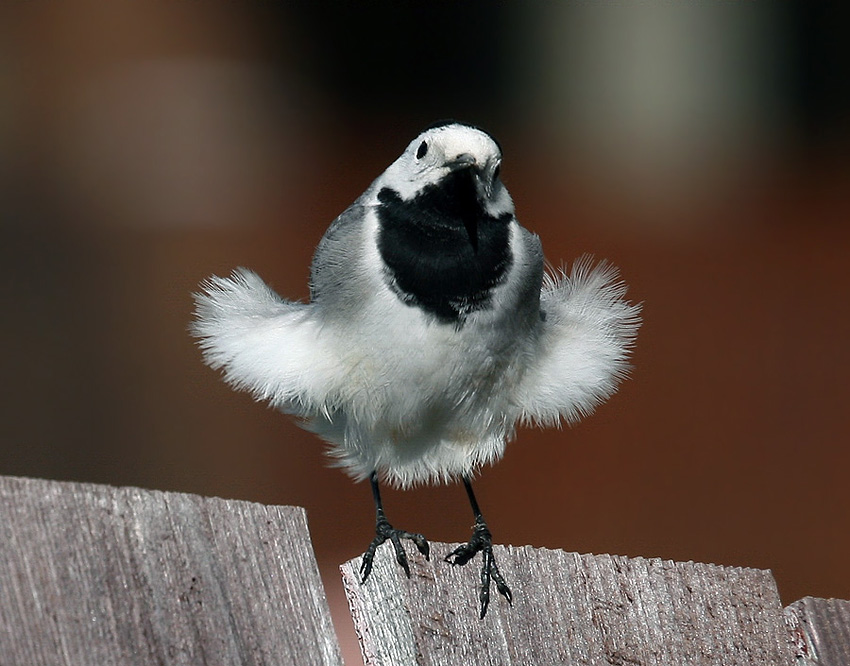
x=340, y=256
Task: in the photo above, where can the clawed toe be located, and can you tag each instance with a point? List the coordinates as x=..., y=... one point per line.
x=489, y=571
x=481, y=541
x=383, y=532
x=461, y=554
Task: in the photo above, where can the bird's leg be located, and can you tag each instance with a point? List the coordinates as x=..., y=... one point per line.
x=481, y=541
x=384, y=531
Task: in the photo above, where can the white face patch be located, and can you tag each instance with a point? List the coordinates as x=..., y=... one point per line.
x=437, y=152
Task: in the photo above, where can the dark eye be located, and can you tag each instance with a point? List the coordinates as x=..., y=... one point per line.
x=423, y=148
x=497, y=171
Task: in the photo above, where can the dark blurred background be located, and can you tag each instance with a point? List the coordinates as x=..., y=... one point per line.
x=702, y=148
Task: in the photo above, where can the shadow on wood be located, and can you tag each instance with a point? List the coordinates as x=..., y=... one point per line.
x=100, y=575
x=821, y=631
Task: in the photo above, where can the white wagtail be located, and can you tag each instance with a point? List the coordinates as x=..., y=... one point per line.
x=431, y=331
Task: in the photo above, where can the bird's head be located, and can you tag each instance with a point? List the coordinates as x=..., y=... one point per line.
x=452, y=157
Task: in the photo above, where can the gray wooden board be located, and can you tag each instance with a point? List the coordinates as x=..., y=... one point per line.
x=100, y=575
x=568, y=609
x=821, y=631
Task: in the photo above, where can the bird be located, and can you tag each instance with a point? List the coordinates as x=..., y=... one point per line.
x=434, y=327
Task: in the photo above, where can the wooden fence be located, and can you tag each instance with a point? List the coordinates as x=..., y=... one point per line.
x=100, y=575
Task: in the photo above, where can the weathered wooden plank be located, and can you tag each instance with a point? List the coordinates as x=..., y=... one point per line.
x=100, y=575
x=568, y=609
x=821, y=631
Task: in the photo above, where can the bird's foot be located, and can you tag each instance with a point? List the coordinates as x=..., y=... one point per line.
x=482, y=541
x=384, y=531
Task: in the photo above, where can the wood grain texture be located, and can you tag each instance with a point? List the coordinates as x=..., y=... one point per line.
x=100, y=575
x=568, y=609
x=821, y=631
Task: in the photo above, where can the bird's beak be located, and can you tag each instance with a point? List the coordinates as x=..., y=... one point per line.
x=462, y=161
x=467, y=161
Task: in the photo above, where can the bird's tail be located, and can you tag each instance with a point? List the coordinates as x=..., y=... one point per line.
x=263, y=343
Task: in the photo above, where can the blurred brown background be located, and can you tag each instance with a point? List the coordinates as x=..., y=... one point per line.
x=703, y=149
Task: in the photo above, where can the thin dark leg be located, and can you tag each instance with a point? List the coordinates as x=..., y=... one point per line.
x=472, y=501
x=384, y=531
x=481, y=541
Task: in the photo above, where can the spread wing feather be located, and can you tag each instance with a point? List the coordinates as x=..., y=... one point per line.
x=263, y=343
x=586, y=333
